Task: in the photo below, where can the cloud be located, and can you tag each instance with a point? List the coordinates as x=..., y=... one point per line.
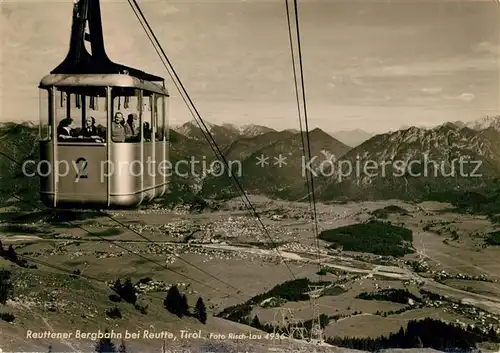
x=344, y=80
x=431, y=90
x=486, y=47
x=465, y=97
x=169, y=9
x=450, y=65
x=357, y=81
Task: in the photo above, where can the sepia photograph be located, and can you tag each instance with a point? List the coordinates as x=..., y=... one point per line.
x=250, y=176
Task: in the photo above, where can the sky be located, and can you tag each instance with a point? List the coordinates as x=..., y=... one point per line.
x=371, y=65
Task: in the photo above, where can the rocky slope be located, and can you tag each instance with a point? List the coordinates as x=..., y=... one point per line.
x=482, y=123
x=415, y=163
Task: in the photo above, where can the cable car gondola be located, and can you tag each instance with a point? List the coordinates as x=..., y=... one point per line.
x=102, y=126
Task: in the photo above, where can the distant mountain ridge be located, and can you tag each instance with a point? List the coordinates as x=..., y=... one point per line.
x=478, y=141
x=352, y=138
x=225, y=133
x=482, y=123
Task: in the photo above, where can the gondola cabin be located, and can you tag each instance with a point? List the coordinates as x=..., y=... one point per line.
x=102, y=128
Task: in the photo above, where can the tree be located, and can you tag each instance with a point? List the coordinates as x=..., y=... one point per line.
x=115, y=298
x=128, y=292
x=256, y=322
x=400, y=338
x=5, y=286
x=172, y=301
x=184, y=306
x=11, y=254
x=114, y=313
x=492, y=334
x=417, y=342
x=117, y=287
x=123, y=348
x=105, y=345
x=200, y=311
x=142, y=308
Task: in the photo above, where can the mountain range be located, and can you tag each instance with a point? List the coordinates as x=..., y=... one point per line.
x=413, y=163
x=226, y=133
x=229, y=132
x=435, y=153
x=416, y=164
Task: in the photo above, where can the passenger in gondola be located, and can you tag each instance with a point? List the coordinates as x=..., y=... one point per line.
x=65, y=129
x=90, y=130
x=117, y=128
x=132, y=127
x=101, y=131
x=147, y=132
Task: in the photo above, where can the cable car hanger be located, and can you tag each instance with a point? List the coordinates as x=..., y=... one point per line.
x=79, y=61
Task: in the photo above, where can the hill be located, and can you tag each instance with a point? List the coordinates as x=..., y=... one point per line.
x=83, y=305
x=20, y=143
x=261, y=170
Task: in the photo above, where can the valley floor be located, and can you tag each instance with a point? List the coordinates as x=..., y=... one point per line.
x=226, y=258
